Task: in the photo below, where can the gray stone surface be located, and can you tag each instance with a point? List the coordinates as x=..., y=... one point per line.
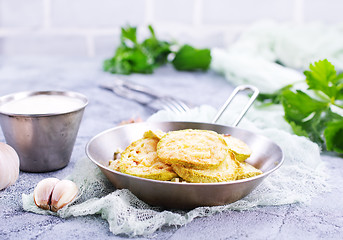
x=322, y=219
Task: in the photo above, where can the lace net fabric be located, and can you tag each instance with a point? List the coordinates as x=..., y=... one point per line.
x=299, y=179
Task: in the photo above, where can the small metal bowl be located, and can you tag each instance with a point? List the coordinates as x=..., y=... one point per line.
x=44, y=140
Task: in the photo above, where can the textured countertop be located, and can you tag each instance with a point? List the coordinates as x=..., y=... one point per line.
x=321, y=219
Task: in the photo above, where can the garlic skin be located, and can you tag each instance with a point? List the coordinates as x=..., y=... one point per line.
x=43, y=191
x=53, y=194
x=9, y=165
x=64, y=192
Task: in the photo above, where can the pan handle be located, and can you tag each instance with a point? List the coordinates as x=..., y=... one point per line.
x=233, y=94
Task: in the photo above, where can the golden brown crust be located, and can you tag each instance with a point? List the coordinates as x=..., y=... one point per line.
x=140, y=159
x=158, y=134
x=246, y=171
x=199, y=149
x=226, y=171
x=241, y=150
x=114, y=164
x=198, y=156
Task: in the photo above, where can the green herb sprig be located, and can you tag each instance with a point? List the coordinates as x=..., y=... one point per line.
x=312, y=114
x=134, y=57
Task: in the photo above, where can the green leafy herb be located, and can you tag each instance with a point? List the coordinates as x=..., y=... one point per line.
x=273, y=98
x=158, y=49
x=333, y=135
x=189, y=58
x=134, y=57
x=311, y=114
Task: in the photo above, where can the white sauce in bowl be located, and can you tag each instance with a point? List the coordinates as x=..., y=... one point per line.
x=42, y=104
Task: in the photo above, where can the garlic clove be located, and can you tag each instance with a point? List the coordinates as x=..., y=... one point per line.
x=53, y=194
x=9, y=165
x=4, y=176
x=43, y=192
x=64, y=192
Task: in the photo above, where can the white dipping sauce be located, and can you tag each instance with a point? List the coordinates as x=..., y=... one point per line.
x=42, y=104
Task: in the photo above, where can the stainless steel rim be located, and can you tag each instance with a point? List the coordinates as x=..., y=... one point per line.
x=22, y=95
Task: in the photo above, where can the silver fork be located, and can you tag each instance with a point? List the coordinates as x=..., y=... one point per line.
x=134, y=92
x=169, y=102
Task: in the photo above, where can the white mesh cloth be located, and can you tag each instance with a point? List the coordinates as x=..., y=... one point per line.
x=298, y=180
x=293, y=45
x=252, y=58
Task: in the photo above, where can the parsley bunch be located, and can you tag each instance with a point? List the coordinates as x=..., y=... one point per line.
x=312, y=114
x=132, y=56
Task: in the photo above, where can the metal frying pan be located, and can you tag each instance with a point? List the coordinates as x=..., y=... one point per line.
x=266, y=156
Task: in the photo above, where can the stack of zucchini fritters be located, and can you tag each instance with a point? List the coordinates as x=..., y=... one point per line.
x=197, y=156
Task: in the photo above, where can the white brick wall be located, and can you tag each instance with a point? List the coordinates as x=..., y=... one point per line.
x=328, y=11
x=174, y=11
x=21, y=14
x=84, y=14
x=247, y=11
x=92, y=27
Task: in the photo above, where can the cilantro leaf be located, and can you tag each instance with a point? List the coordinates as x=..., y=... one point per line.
x=275, y=97
x=312, y=116
x=128, y=33
x=128, y=60
x=299, y=105
x=304, y=114
x=340, y=86
x=134, y=57
x=322, y=77
x=189, y=58
x=333, y=136
x=159, y=50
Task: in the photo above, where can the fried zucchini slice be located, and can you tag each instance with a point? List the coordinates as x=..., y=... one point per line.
x=246, y=171
x=241, y=150
x=114, y=164
x=226, y=171
x=199, y=149
x=140, y=159
x=158, y=134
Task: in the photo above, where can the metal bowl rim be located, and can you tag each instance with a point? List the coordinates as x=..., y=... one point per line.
x=21, y=95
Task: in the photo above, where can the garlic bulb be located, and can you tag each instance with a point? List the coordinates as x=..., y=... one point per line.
x=9, y=165
x=53, y=194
